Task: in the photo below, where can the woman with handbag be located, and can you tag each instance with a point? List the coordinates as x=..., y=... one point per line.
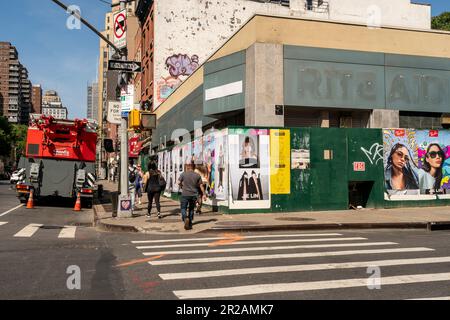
x=154, y=184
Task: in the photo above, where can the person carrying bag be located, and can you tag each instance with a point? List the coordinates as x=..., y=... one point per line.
x=154, y=184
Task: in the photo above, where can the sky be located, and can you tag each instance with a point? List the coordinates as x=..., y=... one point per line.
x=66, y=60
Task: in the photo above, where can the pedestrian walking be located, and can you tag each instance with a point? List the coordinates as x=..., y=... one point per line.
x=190, y=182
x=138, y=184
x=154, y=184
x=202, y=170
x=132, y=176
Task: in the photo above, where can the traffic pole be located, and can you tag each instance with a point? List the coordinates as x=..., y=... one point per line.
x=123, y=149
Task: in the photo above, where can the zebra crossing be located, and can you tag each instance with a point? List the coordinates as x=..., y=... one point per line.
x=30, y=230
x=269, y=254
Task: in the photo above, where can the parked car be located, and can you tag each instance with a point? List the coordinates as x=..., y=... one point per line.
x=17, y=176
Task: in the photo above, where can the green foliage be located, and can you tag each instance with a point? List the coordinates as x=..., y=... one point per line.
x=441, y=22
x=5, y=132
x=12, y=135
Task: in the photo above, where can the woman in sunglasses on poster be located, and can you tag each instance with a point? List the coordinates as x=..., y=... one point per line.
x=401, y=172
x=430, y=176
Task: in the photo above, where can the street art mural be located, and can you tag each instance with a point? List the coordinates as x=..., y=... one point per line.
x=417, y=164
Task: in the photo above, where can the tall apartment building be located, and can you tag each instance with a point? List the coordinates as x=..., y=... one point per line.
x=92, y=101
x=178, y=36
x=36, y=99
x=15, y=87
x=52, y=105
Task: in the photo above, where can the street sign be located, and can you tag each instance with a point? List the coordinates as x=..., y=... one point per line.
x=120, y=29
x=126, y=66
x=114, y=109
x=127, y=98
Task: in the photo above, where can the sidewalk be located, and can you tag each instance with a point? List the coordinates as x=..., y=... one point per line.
x=431, y=218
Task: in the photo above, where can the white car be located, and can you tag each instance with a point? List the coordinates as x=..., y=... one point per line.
x=17, y=176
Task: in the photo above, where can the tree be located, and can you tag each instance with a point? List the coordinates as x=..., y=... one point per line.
x=5, y=133
x=18, y=137
x=441, y=22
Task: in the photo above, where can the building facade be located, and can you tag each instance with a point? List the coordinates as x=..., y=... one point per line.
x=178, y=36
x=344, y=97
x=15, y=86
x=52, y=105
x=92, y=101
x=36, y=99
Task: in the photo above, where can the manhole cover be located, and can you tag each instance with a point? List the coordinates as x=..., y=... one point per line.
x=237, y=223
x=294, y=219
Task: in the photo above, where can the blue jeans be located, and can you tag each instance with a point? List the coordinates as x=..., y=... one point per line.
x=188, y=201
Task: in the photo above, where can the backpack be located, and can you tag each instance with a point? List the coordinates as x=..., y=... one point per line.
x=132, y=176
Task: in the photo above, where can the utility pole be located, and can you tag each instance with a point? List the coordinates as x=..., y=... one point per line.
x=124, y=123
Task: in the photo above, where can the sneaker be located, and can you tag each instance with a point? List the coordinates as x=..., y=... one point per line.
x=187, y=224
x=159, y=215
x=148, y=214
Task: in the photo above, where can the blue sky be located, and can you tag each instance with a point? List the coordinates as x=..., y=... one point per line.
x=66, y=60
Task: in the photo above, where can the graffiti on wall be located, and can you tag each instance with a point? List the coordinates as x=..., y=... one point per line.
x=182, y=65
x=165, y=87
x=375, y=153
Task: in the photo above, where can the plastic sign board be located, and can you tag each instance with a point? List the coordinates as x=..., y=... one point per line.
x=114, y=112
x=120, y=29
x=127, y=98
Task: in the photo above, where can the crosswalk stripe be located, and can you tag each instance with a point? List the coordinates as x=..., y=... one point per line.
x=3, y=223
x=10, y=210
x=251, y=242
x=306, y=286
x=244, y=237
x=285, y=256
x=299, y=268
x=28, y=231
x=68, y=232
x=364, y=244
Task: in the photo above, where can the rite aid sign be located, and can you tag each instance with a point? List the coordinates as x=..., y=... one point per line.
x=120, y=29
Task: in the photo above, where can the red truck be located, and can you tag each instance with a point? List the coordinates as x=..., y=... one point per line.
x=60, y=159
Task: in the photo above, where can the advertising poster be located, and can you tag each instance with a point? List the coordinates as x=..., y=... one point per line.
x=209, y=162
x=249, y=168
x=221, y=166
x=197, y=148
x=416, y=164
x=167, y=175
x=280, y=161
x=176, y=167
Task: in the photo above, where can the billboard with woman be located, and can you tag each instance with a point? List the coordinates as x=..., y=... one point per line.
x=417, y=164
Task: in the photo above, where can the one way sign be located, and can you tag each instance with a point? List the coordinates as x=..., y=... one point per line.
x=126, y=66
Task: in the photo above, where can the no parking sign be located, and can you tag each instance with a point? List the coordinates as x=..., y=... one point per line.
x=120, y=29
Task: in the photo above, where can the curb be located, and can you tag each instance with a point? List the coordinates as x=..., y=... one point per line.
x=431, y=226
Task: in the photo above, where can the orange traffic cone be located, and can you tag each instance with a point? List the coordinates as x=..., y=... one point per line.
x=30, y=203
x=78, y=203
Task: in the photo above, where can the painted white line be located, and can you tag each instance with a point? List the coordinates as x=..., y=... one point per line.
x=68, y=232
x=10, y=210
x=3, y=223
x=28, y=231
x=309, y=246
x=249, y=242
x=433, y=298
x=244, y=237
x=306, y=286
x=286, y=256
x=301, y=267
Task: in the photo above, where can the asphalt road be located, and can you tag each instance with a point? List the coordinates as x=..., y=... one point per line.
x=40, y=249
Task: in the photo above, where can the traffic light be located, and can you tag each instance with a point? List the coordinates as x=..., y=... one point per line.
x=148, y=120
x=134, y=119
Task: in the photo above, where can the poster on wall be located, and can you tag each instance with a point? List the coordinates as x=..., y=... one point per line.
x=416, y=164
x=209, y=151
x=221, y=166
x=249, y=168
x=300, y=159
x=280, y=161
x=176, y=174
